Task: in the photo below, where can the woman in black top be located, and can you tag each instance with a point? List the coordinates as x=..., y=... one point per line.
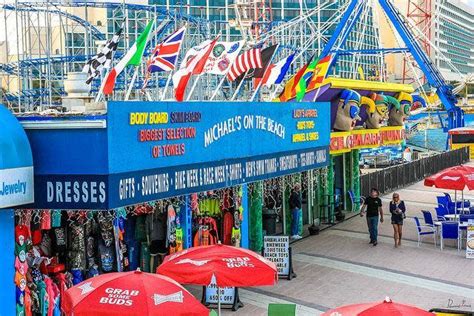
x=397, y=208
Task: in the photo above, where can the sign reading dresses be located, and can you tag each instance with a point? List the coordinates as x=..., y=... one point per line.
x=145, y=151
x=16, y=163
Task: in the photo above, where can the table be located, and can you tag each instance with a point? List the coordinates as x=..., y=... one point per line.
x=461, y=225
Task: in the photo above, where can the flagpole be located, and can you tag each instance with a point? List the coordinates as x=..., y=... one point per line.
x=275, y=92
x=263, y=76
x=193, y=87
x=240, y=85
x=132, y=83
x=166, y=85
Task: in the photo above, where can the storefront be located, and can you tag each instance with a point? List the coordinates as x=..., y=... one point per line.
x=16, y=189
x=164, y=176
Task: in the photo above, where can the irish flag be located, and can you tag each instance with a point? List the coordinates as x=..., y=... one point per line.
x=132, y=57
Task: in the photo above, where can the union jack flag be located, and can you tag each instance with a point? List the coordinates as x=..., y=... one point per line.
x=165, y=54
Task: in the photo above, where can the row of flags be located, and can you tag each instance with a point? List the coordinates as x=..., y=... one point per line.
x=211, y=56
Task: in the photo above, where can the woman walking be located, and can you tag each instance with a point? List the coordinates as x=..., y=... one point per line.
x=397, y=208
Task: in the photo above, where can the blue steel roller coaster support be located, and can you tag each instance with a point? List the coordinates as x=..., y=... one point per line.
x=434, y=77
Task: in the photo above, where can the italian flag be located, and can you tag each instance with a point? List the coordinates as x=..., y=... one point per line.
x=132, y=57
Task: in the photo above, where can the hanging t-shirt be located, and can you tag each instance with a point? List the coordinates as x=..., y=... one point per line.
x=22, y=234
x=20, y=280
x=46, y=220
x=21, y=267
x=107, y=257
x=20, y=252
x=56, y=218
x=59, y=239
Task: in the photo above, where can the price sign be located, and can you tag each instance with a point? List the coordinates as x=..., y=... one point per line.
x=277, y=250
x=227, y=294
x=470, y=242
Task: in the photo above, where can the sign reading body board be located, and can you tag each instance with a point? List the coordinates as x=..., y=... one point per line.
x=277, y=250
x=157, y=150
x=16, y=163
x=163, y=149
x=470, y=241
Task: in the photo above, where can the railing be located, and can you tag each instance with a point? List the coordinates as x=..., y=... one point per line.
x=396, y=177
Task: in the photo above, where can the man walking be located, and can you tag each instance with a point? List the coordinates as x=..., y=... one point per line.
x=373, y=204
x=295, y=207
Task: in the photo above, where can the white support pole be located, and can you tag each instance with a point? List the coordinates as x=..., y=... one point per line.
x=131, y=84
x=240, y=85
x=163, y=95
x=193, y=87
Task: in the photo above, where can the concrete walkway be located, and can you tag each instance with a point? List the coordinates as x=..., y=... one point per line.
x=339, y=267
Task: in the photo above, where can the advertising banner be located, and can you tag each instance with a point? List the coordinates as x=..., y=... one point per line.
x=16, y=186
x=153, y=150
x=342, y=142
x=470, y=241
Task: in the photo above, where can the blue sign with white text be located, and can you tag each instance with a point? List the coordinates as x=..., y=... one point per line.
x=157, y=150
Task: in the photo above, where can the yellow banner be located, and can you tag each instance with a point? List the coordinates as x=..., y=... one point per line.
x=343, y=142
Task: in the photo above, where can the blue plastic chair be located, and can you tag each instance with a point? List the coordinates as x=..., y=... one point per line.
x=423, y=230
x=356, y=202
x=459, y=204
x=450, y=230
x=428, y=218
x=441, y=211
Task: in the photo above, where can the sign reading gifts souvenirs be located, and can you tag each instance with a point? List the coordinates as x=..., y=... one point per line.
x=156, y=150
x=342, y=142
x=277, y=250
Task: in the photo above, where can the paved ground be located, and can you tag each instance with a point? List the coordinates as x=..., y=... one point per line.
x=339, y=267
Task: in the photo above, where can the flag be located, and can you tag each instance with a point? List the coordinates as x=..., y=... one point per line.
x=103, y=59
x=132, y=57
x=300, y=89
x=251, y=58
x=222, y=57
x=276, y=72
x=165, y=55
x=193, y=64
x=267, y=55
x=320, y=73
x=289, y=89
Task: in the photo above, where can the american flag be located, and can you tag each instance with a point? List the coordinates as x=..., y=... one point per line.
x=165, y=54
x=103, y=59
x=248, y=60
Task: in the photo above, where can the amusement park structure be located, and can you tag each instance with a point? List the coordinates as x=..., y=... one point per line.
x=46, y=51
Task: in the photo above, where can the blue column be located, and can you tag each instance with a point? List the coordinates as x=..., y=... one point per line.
x=7, y=260
x=186, y=222
x=244, y=226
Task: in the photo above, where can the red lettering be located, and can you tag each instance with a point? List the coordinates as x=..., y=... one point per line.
x=155, y=151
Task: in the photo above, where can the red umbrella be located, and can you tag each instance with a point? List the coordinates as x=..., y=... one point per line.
x=227, y=265
x=130, y=293
x=386, y=308
x=231, y=266
x=455, y=178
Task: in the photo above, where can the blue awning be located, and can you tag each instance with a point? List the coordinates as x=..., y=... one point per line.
x=15, y=151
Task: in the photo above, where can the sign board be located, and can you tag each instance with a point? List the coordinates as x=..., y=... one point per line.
x=277, y=250
x=16, y=162
x=470, y=241
x=342, y=142
x=227, y=294
x=16, y=187
x=157, y=150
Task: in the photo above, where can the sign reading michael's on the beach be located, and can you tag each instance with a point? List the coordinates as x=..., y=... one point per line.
x=277, y=250
x=162, y=149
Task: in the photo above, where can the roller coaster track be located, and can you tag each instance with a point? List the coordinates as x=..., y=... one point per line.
x=27, y=8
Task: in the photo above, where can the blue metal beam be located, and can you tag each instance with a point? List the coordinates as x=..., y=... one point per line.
x=370, y=51
x=434, y=77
